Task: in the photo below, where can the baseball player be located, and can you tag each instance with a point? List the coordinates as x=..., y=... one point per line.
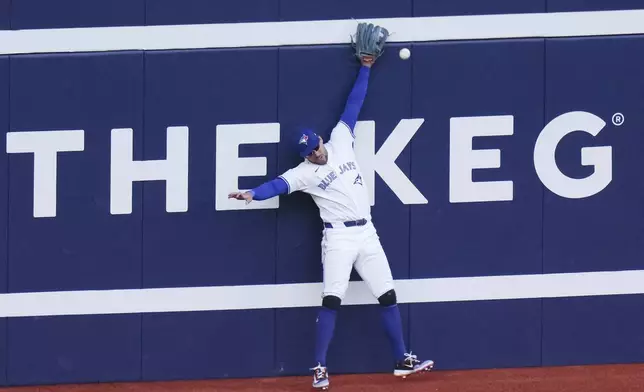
x=331, y=174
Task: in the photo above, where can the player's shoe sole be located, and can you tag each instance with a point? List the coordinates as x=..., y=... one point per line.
x=426, y=366
x=323, y=385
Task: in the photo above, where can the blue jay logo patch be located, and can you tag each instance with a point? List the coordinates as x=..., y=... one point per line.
x=358, y=180
x=304, y=139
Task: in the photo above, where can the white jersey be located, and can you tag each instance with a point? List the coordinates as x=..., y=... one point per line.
x=337, y=187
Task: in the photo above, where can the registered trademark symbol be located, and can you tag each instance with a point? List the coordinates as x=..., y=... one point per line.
x=618, y=119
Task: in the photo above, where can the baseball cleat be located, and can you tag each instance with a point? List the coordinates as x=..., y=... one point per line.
x=411, y=365
x=320, y=377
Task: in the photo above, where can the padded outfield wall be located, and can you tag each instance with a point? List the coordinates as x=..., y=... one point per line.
x=503, y=159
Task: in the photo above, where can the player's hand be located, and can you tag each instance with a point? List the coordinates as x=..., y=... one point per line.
x=367, y=61
x=241, y=196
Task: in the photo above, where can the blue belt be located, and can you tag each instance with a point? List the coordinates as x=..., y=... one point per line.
x=359, y=222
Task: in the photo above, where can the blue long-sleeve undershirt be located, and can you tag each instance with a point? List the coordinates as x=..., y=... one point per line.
x=270, y=189
x=356, y=98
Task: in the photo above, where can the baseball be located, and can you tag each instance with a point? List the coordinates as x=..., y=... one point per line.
x=404, y=53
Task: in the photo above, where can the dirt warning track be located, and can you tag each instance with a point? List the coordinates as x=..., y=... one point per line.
x=599, y=378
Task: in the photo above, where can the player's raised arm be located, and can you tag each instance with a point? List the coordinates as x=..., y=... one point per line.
x=356, y=97
x=368, y=45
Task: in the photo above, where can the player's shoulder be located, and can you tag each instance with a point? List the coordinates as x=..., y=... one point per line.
x=299, y=177
x=341, y=125
x=304, y=168
x=342, y=133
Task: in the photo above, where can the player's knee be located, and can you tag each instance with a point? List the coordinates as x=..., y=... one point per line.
x=331, y=302
x=388, y=298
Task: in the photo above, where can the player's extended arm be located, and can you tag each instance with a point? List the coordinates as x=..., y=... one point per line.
x=269, y=189
x=356, y=98
x=265, y=191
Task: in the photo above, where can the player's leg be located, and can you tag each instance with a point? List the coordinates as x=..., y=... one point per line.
x=337, y=262
x=325, y=326
x=373, y=267
x=406, y=363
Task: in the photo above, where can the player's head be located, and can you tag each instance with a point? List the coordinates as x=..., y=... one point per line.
x=312, y=148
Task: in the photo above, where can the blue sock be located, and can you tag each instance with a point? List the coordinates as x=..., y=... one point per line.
x=393, y=327
x=324, y=333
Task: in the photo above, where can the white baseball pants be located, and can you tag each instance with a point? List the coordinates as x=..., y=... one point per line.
x=344, y=248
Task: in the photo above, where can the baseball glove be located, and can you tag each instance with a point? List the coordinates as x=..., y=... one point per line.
x=369, y=41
